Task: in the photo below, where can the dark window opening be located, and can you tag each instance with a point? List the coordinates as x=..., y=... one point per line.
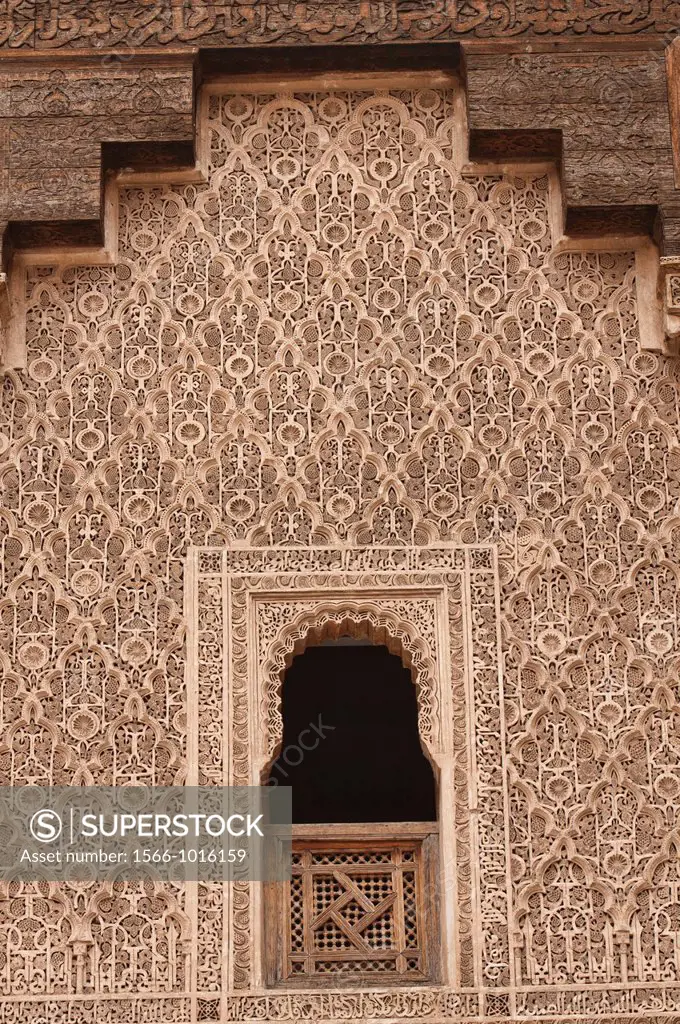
x=351, y=750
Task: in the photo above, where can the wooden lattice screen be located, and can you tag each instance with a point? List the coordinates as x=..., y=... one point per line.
x=360, y=906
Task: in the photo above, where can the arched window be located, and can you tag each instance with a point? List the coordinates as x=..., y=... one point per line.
x=351, y=750
x=361, y=904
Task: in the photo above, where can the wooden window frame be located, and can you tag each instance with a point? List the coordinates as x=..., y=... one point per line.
x=393, y=837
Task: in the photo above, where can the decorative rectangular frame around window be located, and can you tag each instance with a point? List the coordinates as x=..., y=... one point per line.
x=249, y=612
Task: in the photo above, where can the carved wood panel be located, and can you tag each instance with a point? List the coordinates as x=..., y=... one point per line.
x=360, y=908
x=54, y=24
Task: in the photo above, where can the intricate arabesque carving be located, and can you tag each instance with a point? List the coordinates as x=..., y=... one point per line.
x=438, y=603
x=406, y=626
x=212, y=23
x=121, y=99
x=341, y=338
x=119, y=936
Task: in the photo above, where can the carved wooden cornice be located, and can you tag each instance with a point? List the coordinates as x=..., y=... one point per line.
x=88, y=87
x=55, y=24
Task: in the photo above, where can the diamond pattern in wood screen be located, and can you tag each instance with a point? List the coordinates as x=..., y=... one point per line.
x=357, y=909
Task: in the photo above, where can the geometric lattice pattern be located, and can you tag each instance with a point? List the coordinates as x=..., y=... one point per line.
x=356, y=910
x=346, y=336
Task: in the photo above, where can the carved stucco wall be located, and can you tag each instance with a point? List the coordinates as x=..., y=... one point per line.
x=345, y=337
